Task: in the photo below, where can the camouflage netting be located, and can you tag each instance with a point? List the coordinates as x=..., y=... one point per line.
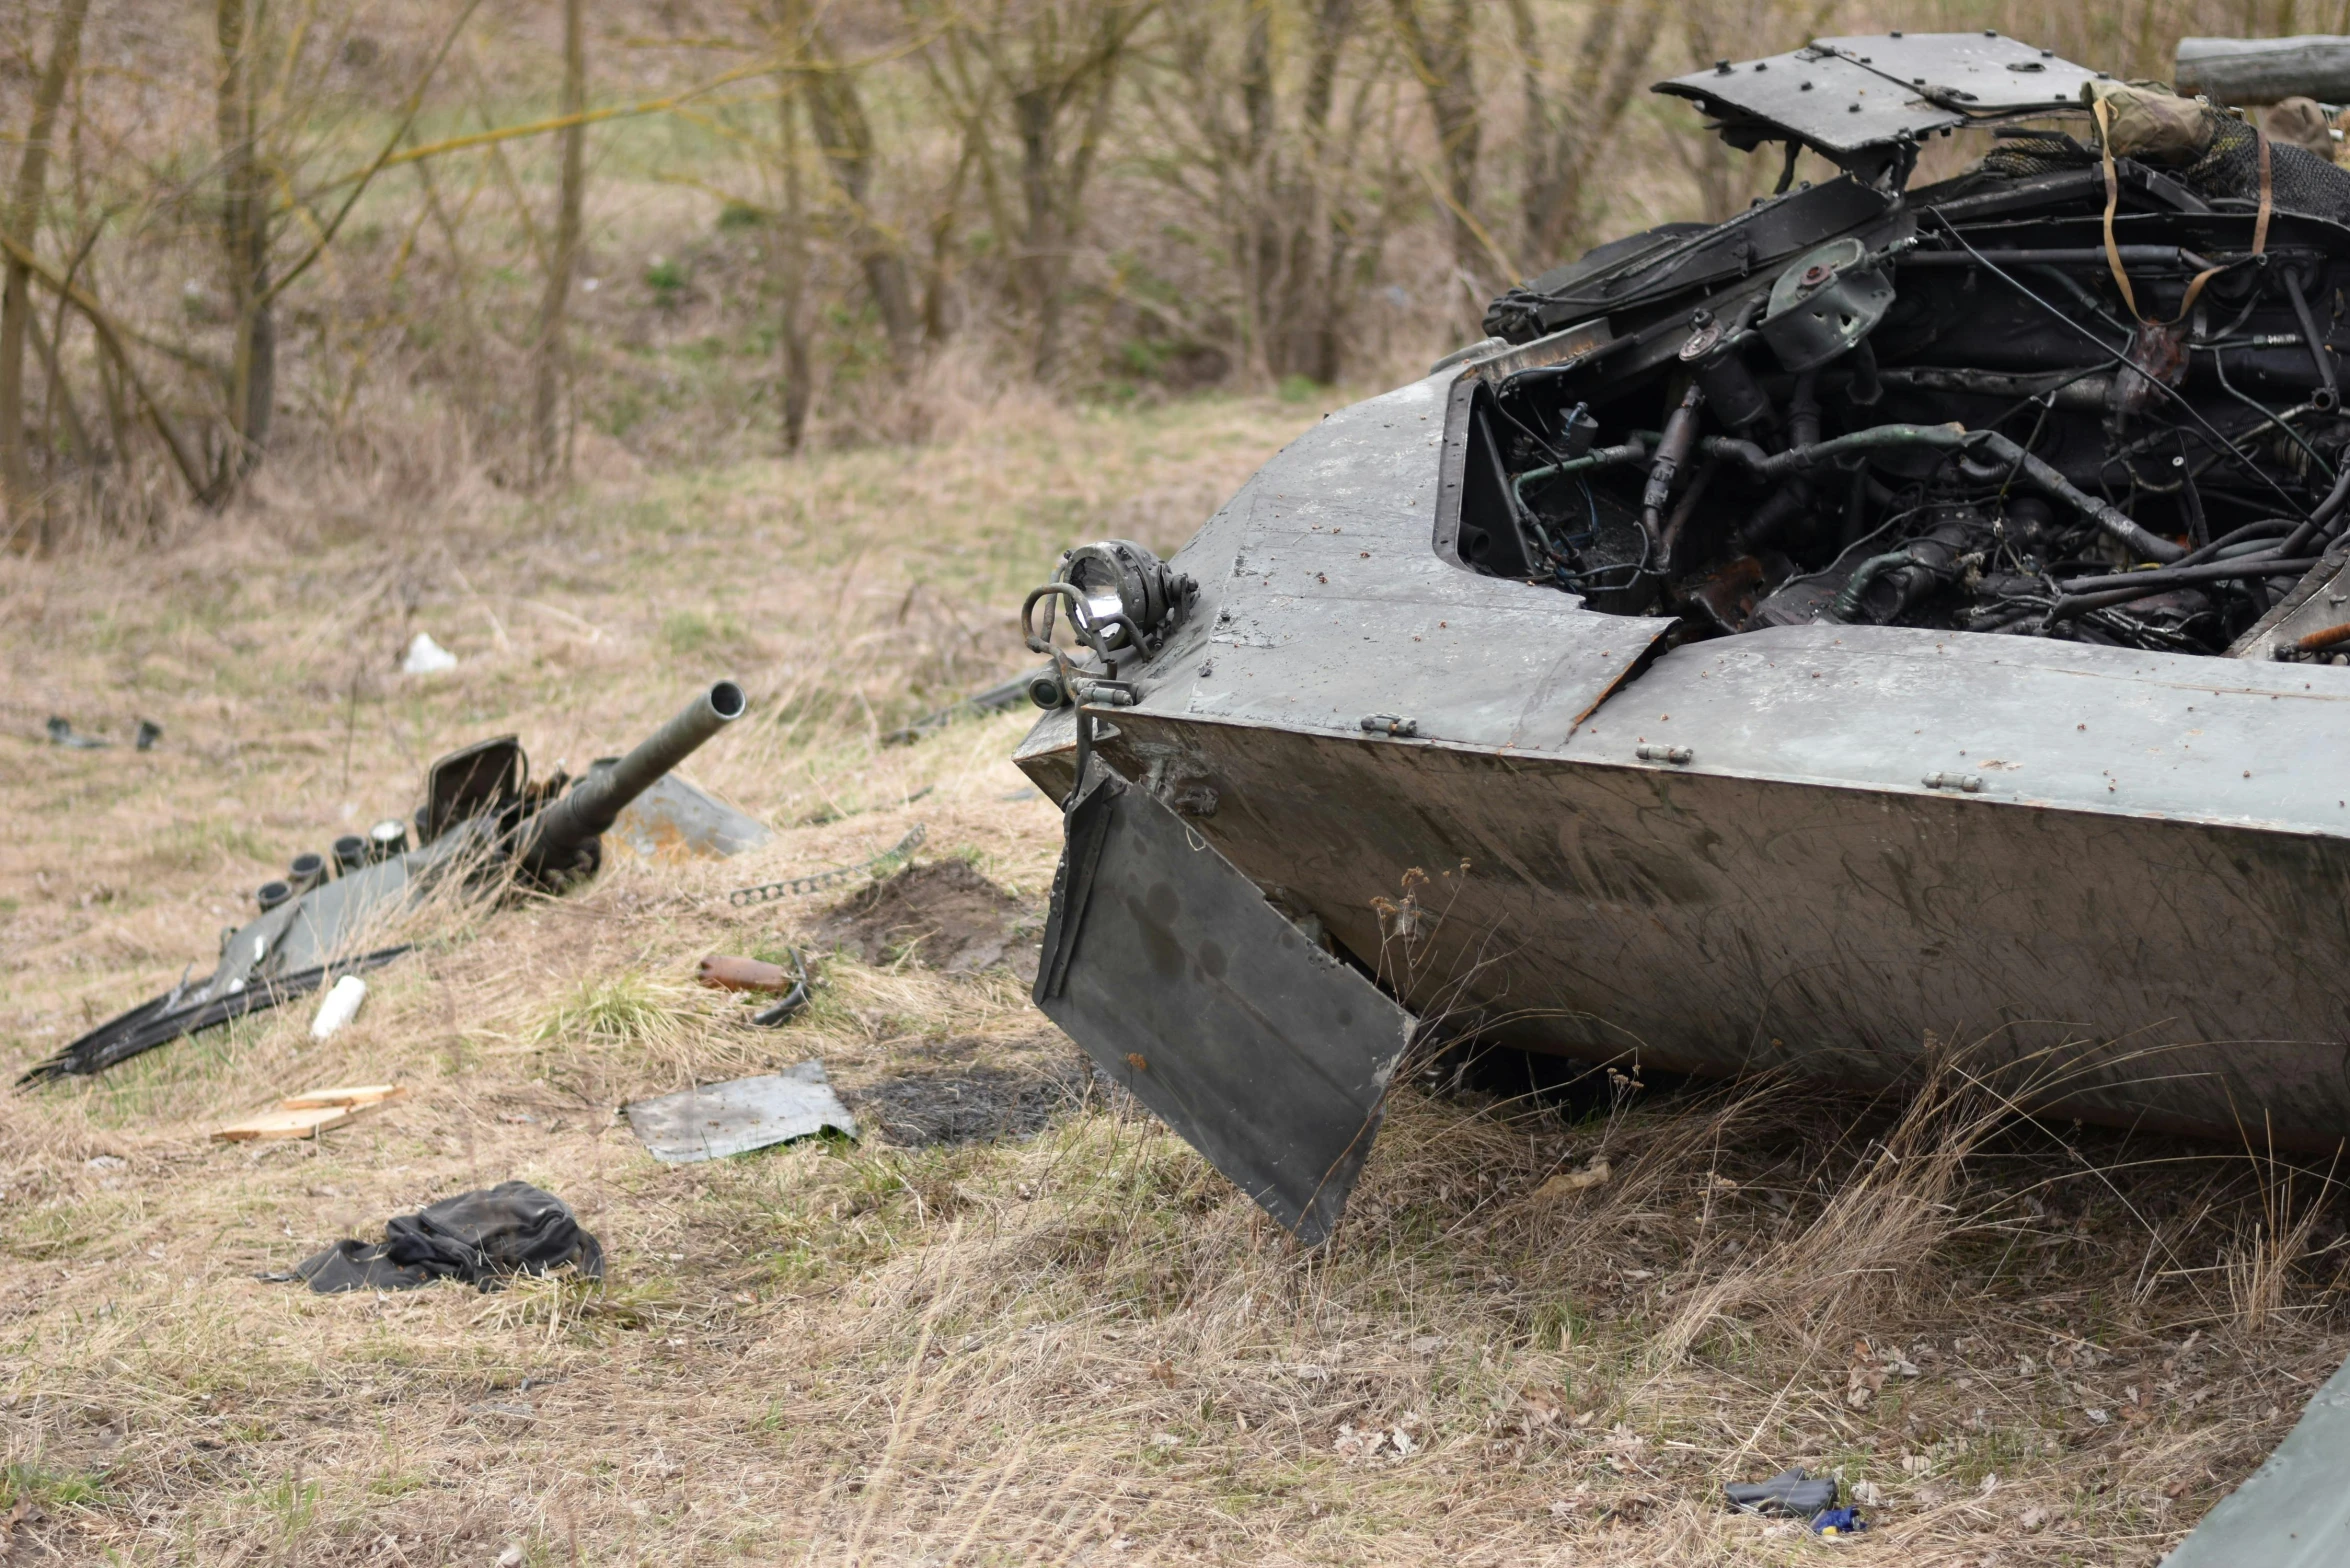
x=2301, y=180
x=2223, y=163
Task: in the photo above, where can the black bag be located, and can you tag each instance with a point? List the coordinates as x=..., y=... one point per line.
x=478, y=1237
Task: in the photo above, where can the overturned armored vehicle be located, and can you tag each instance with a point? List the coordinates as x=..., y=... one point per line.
x=1904, y=610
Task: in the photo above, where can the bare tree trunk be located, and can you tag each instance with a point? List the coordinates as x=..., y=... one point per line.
x=946, y=218
x=1439, y=55
x=1564, y=139
x=1061, y=76
x=1307, y=310
x=836, y=113
x=548, y=452
x=23, y=220
x=244, y=232
x=1034, y=117
x=791, y=245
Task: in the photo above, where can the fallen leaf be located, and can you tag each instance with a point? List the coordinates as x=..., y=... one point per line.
x=1592, y=1175
x=1861, y=1385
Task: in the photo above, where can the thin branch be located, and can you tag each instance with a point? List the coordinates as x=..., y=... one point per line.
x=110, y=340
x=366, y=176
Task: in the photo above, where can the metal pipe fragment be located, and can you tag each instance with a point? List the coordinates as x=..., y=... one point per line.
x=1950, y=438
x=589, y=807
x=1671, y=452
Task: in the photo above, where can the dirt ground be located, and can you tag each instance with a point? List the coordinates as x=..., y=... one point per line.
x=1015, y=1322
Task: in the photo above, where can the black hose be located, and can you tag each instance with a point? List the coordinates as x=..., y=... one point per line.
x=2208, y=572
x=1863, y=578
x=1865, y=389
x=2267, y=527
x=1951, y=438
x=1672, y=450
x=2321, y=519
x=793, y=1000
x=2319, y=354
x=1803, y=410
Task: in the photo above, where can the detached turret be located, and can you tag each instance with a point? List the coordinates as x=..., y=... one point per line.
x=551, y=843
x=482, y=819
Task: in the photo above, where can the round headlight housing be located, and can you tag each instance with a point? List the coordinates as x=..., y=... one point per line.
x=1128, y=600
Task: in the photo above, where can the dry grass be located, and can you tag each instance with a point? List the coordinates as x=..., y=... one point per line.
x=2036, y=1345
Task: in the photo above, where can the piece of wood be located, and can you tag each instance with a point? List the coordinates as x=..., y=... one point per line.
x=2265, y=70
x=306, y=1122
x=311, y=1112
x=361, y=1094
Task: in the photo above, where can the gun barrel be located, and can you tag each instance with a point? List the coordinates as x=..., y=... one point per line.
x=589, y=807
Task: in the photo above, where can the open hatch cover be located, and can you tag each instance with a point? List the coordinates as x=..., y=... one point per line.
x=1856, y=100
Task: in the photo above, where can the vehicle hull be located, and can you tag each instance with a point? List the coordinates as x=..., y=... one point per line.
x=1721, y=925
x=1832, y=849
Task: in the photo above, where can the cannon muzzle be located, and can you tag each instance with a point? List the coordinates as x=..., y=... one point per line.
x=550, y=841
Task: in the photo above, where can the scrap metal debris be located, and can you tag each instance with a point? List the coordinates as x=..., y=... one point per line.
x=679, y=820
x=484, y=821
x=721, y=1119
x=483, y=1238
x=181, y=1011
x=62, y=733
x=1987, y=405
x=993, y=699
x=726, y=972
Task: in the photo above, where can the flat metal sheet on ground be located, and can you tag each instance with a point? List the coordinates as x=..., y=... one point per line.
x=719, y=1119
x=1268, y=1055
x=679, y=820
x=2295, y=1511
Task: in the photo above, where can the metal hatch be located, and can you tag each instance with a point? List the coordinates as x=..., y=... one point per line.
x=1856, y=100
x=1268, y=1055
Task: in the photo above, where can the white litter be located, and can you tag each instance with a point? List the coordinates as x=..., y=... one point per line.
x=340, y=1007
x=426, y=657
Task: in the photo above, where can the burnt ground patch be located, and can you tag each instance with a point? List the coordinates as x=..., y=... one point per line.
x=976, y=1102
x=941, y=914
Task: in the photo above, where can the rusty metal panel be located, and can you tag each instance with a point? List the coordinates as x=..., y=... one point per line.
x=1267, y=1054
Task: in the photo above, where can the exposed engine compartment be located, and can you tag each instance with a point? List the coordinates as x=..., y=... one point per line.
x=2085, y=390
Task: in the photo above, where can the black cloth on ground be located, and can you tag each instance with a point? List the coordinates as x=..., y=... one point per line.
x=478, y=1237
